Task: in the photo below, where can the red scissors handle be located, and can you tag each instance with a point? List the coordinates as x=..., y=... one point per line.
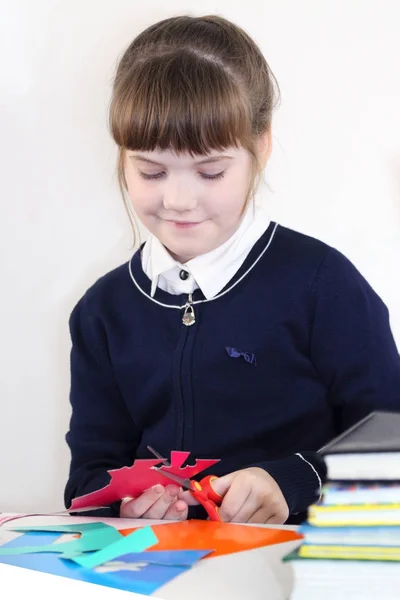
x=205, y=494
x=202, y=491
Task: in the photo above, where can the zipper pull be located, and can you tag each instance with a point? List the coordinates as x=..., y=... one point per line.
x=189, y=318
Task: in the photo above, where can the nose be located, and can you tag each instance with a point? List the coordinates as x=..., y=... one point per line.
x=178, y=196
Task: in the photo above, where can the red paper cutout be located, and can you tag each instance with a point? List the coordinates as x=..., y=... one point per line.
x=130, y=482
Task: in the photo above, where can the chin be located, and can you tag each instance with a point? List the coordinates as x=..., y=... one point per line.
x=184, y=254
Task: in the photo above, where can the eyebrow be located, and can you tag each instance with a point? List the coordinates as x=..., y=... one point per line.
x=210, y=159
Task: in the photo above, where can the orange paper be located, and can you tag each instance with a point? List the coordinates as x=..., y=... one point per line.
x=223, y=538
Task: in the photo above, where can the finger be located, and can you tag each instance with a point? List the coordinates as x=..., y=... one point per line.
x=134, y=509
x=234, y=499
x=187, y=497
x=269, y=511
x=277, y=519
x=177, y=511
x=251, y=506
x=162, y=504
x=222, y=484
x=261, y=515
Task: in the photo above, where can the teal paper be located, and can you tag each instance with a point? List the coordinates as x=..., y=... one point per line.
x=138, y=541
x=94, y=537
x=161, y=566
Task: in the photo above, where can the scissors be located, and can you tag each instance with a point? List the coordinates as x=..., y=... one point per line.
x=202, y=491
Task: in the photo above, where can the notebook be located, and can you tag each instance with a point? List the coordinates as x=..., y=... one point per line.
x=370, y=450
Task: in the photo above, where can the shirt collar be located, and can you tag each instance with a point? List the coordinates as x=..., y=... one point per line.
x=156, y=260
x=210, y=271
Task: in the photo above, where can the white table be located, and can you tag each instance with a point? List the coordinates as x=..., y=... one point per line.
x=257, y=574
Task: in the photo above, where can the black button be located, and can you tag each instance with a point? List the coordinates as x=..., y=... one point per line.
x=184, y=275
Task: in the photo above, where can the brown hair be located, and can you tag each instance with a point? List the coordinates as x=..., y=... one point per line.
x=191, y=84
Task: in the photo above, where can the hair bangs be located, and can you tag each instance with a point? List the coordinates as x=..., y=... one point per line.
x=187, y=104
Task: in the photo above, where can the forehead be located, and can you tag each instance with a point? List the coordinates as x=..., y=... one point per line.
x=186, y=159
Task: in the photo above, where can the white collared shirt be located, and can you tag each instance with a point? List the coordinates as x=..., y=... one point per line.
x=211, y=271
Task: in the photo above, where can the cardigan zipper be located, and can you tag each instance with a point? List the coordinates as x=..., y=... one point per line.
x=189, y=318
x=184, y=407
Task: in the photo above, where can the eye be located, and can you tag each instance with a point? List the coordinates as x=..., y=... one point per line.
x=216, y=176
x=147, y=176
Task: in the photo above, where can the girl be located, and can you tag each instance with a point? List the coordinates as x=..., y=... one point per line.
x=225, y=335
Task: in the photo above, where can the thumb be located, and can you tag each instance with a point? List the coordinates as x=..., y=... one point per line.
x=222, y=484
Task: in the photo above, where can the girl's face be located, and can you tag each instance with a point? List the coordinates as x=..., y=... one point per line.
x=191, y=204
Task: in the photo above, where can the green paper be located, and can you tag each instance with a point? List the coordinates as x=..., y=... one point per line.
x=94, y=537
x=138, y=541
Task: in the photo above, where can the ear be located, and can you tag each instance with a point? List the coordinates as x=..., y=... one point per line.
x=264, y=147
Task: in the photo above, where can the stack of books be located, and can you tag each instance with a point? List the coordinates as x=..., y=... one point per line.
x=351, y=546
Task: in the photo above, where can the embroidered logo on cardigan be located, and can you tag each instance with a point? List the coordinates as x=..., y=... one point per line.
x=249, y=357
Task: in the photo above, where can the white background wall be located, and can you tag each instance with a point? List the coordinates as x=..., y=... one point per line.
x=335, y=173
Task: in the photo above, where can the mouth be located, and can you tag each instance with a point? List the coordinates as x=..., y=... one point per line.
x=184, y=224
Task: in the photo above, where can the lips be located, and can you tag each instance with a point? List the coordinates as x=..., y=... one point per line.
x=184, y=224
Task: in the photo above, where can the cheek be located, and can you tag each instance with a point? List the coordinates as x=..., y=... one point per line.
x=143, y=200
x=228, y=202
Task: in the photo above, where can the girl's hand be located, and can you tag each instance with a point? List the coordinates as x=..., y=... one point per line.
x=250, y=496
x=158, y=502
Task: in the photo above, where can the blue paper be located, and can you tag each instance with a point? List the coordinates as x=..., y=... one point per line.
x=173, y=558
x=150, y=576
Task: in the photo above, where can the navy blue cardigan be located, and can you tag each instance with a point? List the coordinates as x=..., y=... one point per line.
x=297, y=349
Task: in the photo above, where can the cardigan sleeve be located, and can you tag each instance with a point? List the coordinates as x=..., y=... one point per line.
x=355, y=355
x=352, y=346
x=300, y=478
x=101, y=434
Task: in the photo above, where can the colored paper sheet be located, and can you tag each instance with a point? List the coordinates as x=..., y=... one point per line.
x=130, y=482
x=94, y=537
x=7, y=518
x=138, y=541
x=224, y=538
x=66, y=527
x=37, y=538
x=350, y=552
x=174, y=558
x=140, y=576
x=59, y=513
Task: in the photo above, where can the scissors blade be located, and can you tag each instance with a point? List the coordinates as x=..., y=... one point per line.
x=157, y=455
x=185, y=483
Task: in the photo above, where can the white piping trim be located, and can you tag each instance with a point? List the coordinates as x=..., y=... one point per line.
x=147, y=295
x=205, y=299
x=315, y=471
